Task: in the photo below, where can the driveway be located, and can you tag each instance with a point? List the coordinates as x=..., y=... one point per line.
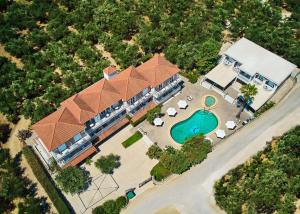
x=192, y=192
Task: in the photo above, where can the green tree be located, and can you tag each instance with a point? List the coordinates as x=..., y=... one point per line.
x=154, y=151
x=108, y=163
x=4, y=132
x=72, y=179
x=248, y=91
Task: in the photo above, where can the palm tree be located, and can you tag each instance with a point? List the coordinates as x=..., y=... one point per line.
x=248, y=91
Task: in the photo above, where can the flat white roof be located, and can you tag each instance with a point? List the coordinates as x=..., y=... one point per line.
x=221, y=74
x=256, y=59
x=261, y=97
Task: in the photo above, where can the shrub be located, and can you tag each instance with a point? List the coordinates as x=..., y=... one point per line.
x=23, y=134
x=196, y=149
x=107, y=164
x=175, y=162
x=192, y=76
x=137, y=122
x=159, y=172
x=193, y=152
x=153, y=113
x=131, y=140
x=42, y=176
x=154, y=151
x=72, y=179
x=4, y=132
x=121, y=202
x=111, y=206
x=264, y=108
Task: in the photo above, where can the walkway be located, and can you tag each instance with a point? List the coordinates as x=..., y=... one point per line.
x=192, y=192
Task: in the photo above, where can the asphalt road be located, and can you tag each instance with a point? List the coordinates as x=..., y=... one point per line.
x=192, y=192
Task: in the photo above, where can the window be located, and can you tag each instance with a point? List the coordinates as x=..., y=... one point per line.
x=97, y=118
x=271, y=84
x=77, y=137
x=62, y=148
x=244, y=74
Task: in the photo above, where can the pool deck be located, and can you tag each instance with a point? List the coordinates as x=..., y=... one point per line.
x=223, y=110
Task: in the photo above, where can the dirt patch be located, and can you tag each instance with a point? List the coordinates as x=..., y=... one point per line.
x=13, y=59
x=168, y=210
x=72, y=29
x=106, y=55
x=15, y=146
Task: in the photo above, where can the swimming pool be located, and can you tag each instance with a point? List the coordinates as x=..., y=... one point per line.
x=201, y=122
x=209, y=101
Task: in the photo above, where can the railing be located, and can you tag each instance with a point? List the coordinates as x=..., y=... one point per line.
x=116, y=119
x=139, y=102
x=107, y=118
x=172, y=85
x=74, y=146
x=83, y=147
x=245, y=79
x=167, y=94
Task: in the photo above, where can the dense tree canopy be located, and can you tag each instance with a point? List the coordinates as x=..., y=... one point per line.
x=58, y=41
x=13, y=185
x=267, y=183
x=72, y=179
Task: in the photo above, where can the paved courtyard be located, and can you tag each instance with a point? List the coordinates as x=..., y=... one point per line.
x=223, y=110
x=135, y=168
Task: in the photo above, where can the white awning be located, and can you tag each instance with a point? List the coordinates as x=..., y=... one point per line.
x=158, y=122
x=230, y=124
x=221, y=75
x=220, y=133
x=171, y=111
x=182, y=104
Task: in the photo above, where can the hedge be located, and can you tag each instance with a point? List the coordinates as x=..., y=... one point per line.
x=43, y=177
x=137, y=122
x=264, y=108
x=131, y=140
x=159, y=172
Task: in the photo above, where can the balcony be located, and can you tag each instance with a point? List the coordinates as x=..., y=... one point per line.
x=104, y=119
x=168, y=90
x=140, y=102
x=243, y=78
x=73, y=151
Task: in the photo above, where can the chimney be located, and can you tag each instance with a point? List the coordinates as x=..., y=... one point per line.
x=110, y=72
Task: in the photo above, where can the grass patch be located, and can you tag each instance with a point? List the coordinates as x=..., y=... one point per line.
x=160, y=172
x=131, y=140
x=42, y=176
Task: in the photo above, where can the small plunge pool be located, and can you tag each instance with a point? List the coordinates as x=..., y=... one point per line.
x=209, y=101
x=201, y=122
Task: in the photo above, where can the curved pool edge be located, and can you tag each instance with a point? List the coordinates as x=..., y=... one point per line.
x=203, y=101
x=173, y=142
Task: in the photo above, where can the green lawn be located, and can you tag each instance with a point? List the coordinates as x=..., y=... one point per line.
x=135, y=137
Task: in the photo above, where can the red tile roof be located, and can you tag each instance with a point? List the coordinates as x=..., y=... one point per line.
x=157, y=70
x=57, y=128
x=130, y=82
x=69, y=120
x=110, y=69
x=81, y=157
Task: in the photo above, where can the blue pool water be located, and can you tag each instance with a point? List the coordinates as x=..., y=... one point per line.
x=209, y=101
x=201, y=122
